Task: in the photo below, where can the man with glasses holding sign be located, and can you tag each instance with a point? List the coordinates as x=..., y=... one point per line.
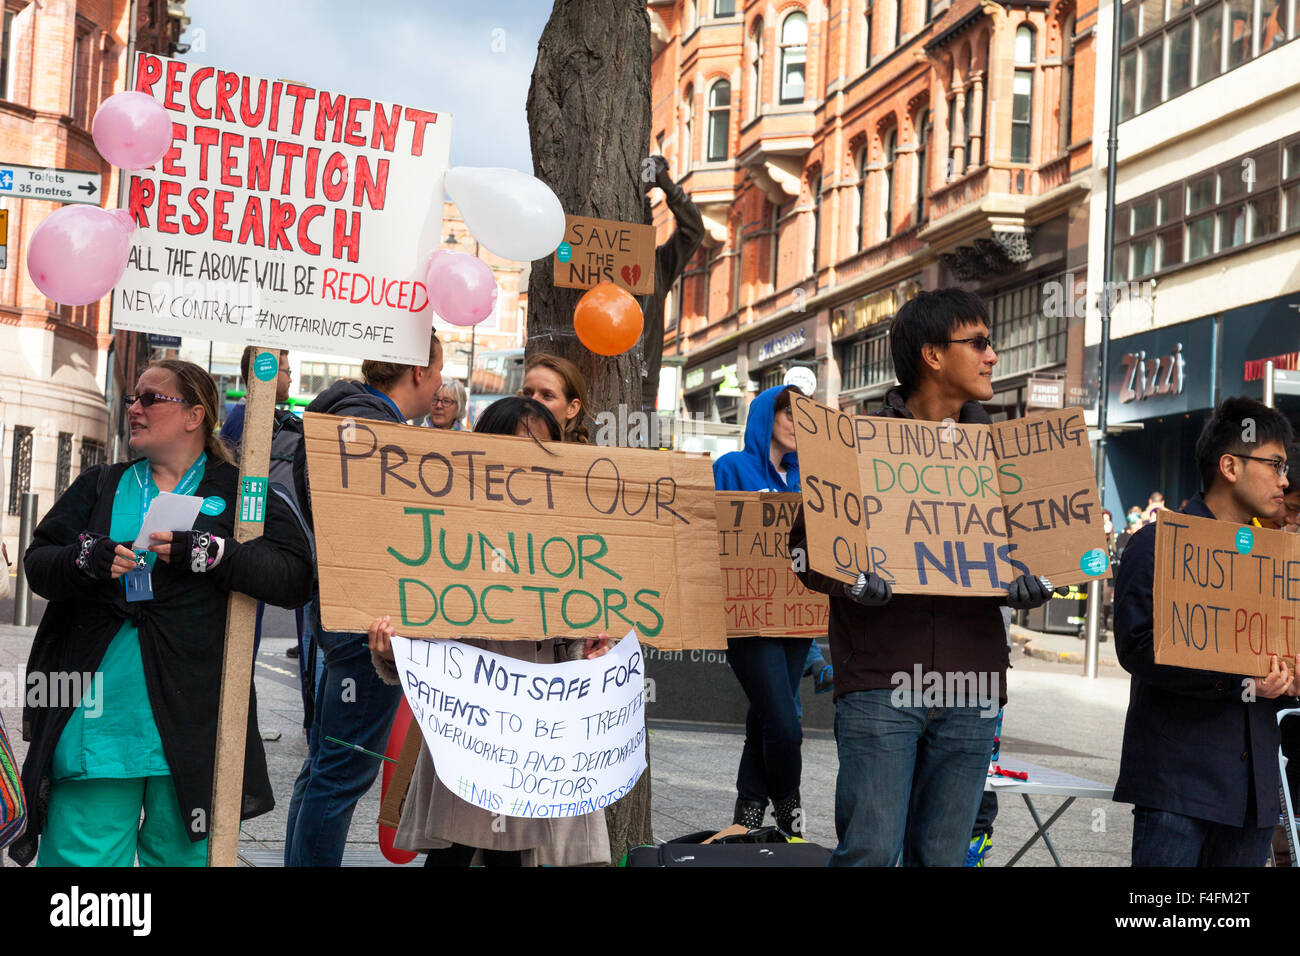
x=1199, y=762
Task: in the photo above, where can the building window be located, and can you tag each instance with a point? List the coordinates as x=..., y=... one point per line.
x=688, y=125
x=921, y=124
x=866, y=37
x=1250, y=199
x=887, y=219
x=898, y=23
x=5, y=60
x=719, y=120
x=20, y=467
x=92, y=455
x=63, y=464
x=1022, y=104
x=794, y=54
x=1067, y=81
x=968, y=114
x=1025, y=338
x=817, y=222
x=774, y=230
x=860, y=218
x=1165, y=52
x=724, y=8
x=772, y=376
x=952, y=146
x=867, y=361
x=755, y=68
x=318, y=376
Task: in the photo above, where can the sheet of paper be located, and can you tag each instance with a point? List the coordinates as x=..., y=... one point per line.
x=168, y=512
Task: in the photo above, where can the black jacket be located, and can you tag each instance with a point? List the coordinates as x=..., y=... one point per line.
x=869, y=645
x=182, y=635
x=1191, y=744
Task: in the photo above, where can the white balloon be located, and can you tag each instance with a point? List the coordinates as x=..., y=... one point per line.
x=510, y=213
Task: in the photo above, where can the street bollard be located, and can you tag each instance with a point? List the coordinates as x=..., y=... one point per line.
x=23, y=593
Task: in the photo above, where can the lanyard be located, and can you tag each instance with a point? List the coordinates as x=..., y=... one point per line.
x=374, y=391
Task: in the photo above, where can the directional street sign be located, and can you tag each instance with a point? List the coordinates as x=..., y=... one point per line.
x=51, y=185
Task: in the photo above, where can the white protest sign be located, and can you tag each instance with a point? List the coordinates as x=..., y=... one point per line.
x=525, y=739
x=285, y=216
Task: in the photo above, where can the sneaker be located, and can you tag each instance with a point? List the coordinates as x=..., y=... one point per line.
x=825, y=680
x=978, y=849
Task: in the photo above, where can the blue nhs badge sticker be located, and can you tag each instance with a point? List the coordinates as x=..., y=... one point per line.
x=564, y=252
x=1094, y=562
x=1245, y=540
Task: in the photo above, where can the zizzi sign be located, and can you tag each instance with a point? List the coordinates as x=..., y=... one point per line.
x=780, y=344
x=1148, y=377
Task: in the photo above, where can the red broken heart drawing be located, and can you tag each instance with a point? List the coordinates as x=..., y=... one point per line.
x=631, y=274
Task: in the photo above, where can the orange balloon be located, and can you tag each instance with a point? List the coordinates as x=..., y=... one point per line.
x=608, y=320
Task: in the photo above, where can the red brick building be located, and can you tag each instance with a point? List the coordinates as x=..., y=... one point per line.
x=59, y=59
x=846, y=153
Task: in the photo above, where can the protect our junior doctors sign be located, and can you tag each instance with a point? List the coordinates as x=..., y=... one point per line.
x=285, y=216
x=526, y=739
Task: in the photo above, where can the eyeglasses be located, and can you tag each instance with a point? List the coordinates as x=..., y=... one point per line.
x=146, y=399
x=439, y=402
x=1279, y=464
x=284, y=369
x=979, y=342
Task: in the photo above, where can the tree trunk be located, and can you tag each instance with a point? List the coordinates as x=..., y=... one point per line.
x=589, y=126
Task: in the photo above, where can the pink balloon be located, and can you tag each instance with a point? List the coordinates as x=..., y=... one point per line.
x=77, y=254
x=462, y=289
x=132, y=130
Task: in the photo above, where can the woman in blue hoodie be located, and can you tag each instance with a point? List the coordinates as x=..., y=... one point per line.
x=768, y=668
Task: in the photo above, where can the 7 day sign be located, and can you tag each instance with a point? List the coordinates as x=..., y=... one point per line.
x=285, y=216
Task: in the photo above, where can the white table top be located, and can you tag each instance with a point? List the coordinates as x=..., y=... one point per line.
x=1044, y=780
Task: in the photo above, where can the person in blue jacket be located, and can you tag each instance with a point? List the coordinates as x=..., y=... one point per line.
x=768, y=668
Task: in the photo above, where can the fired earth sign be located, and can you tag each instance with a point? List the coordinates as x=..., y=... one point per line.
x=285, y=216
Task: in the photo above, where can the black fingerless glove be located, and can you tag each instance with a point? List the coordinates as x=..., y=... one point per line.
x=95, y=554
x=198, y=551
x=871, y=590
x=1027, y=592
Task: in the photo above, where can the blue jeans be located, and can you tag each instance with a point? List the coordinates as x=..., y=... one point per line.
x=334, y=778
x=769, y=670
x=1161, y=838
x=909, y=777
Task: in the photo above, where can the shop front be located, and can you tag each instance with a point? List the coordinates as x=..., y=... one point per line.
x=860, y=336
x=712, y=396
x=773, y=356
x=1253, y=335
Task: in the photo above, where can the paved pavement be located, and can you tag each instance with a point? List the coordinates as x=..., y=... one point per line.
x=1055, y=718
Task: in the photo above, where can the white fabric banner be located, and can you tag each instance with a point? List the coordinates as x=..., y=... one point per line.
x=525, y=739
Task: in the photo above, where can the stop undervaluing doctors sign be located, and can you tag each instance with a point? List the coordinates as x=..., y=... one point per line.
x=285, y=216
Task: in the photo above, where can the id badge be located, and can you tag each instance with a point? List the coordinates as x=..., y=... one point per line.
x=139, y=583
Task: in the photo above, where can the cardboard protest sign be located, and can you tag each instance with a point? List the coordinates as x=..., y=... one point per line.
x=285, y=216
x=941, y=508
x=526, y=739
x=763, y=595
x=604, y=250
x=456, y=534
x=1226, y=597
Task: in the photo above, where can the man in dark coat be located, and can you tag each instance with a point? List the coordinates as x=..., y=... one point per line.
x=1199, y=762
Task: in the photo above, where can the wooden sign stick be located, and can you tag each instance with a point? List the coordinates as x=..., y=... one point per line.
x=241, y=618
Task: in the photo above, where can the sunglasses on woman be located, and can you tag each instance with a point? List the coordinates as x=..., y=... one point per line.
x=147, y=399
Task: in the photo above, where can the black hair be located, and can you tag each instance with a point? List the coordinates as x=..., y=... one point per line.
x=505, y=415
x=929, y=319
x=782, y=400
x=1237, y=427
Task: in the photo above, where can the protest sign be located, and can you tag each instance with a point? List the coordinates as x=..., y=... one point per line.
x=285, y=216
x=763, y=596
x=453, y=533
x=942, y=508
x=603, y=250
x=525, y=739
x=1226, y=597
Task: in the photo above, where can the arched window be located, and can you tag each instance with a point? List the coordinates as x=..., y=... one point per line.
x=817, y=221
x=755, y=68
x=688, y=128
x=794, y=54
x=898, y=22
x=860, y=211
x=719, y=121
x=887, y=218
x=922, y=126
x=1022, y=95
x=1067, y=81
x=866, y=37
